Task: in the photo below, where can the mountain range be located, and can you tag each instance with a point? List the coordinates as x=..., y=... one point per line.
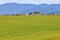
x=14, y=8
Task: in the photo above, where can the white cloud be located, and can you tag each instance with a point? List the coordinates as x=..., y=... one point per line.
x=30, y=1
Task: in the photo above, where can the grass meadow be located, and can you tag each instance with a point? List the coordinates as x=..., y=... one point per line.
x=29, y=27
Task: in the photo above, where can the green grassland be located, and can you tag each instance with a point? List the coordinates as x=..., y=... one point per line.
x=29, y=27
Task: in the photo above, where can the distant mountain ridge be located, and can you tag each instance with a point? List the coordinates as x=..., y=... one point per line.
x=14, y=8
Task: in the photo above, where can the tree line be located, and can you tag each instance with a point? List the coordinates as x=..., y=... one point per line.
x=32, y=13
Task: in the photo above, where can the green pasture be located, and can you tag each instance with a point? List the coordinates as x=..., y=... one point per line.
x=29, y=27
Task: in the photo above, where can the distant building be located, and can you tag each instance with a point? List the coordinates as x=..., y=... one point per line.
x=57, y=13
x=26, y=14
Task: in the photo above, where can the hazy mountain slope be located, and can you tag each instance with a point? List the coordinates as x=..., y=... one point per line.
x=13, y=8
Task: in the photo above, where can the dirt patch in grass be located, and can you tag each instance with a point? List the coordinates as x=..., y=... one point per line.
x=56, y=38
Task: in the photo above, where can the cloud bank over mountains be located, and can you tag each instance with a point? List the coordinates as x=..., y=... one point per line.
x=30, y=1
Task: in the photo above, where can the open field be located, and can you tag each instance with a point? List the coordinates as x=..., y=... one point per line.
x=29, y=27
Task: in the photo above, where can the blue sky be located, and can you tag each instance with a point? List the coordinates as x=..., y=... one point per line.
x=31, y=1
